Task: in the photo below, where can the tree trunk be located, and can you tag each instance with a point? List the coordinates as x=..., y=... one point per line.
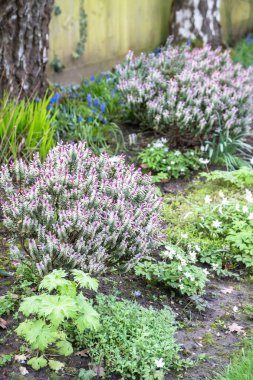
x=197, y=19
x=24, y=26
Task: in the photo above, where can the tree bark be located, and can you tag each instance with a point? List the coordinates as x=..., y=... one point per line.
x=24, y=27
x=197, y=19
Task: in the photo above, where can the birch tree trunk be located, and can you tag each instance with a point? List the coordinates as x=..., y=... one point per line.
x=197, y=19
x=24, y=45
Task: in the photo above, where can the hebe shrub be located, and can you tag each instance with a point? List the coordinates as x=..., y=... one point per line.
x=79, y=210
x=196, y=96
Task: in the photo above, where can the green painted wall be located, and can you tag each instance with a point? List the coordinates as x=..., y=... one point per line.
x=236, y=19
x=114, y=27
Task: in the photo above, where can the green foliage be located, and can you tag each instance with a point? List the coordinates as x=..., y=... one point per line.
x=176, y=270
x=37, y=363
x=220, y=223
x=57, y=65
x=241, y=178
x=5, y=359
x=170, y=164
x=7, y=304
x=52, y=310
x=248, y=310
x=90, y=112
x=133, y=342
x=243, y=52
x=86, y=375
x=241, y=367
x=26, y=127
x=83, y=25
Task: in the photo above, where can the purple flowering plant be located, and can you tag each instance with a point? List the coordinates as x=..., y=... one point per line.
x=77, y=210
x=196, y=97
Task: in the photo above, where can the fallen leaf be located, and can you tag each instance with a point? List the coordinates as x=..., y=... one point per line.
x=228, y=290
x=236, y=328
x=3, y=323
x=20, y=358
x=23, y=371
x=83, y=353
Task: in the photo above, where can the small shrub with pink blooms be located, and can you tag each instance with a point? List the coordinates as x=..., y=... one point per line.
x=77, y=210
x=196, y=97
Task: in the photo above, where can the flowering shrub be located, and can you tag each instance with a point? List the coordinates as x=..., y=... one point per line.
x=79, y=210
x=177, y=270
x=196, y=96
x=171, y=164
x=133, y=342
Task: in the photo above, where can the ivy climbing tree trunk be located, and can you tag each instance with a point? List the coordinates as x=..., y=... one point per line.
x=197, y=19
x=24, y=26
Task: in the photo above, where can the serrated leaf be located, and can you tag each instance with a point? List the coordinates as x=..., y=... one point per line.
x=67, y=289
x=54, y=280
x=58, y=308
x=37, y=333
x=88, y=317
x=84, y=280
x=55, y=365
x=37, y=363
x=86, y=375
x=30, y=305
x=64, y=347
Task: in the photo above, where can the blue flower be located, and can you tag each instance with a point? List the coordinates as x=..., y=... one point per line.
x=49, y=107
x=103, y=107
x=96, y=102
x=98, y=81
x=92, y=78
x=137, y=293
x=90, y=119
x=37, y=99
x=189, y=41
x=86, y=82
x=55, y=99
x=80, y=119
x=89, y=100
x=157, y=51
x=94, y=110
x=249, y=39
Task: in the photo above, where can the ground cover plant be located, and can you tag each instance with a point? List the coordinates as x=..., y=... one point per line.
x=79, y=210
x=133, y=341
x=193, y=96
x=218, y=221
x=26, y=127
x=166, y=164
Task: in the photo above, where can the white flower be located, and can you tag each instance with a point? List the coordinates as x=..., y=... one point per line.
x=184, y=236
x=221, y=194
x=215, y=266
x=249, y=196
x=216, y=224
x=245, y=209
x=197, y=247
x=204, y=161
x=205, y=271
x=159, y=363
x=225, y=201
x=208, y=199
x=202, y=148
x=237, y=207
x=172, y=162
x=115, y=159
x=177, y=153
x=168, y=167
x=182, y=170
x=251, y=161
x=251, y=216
